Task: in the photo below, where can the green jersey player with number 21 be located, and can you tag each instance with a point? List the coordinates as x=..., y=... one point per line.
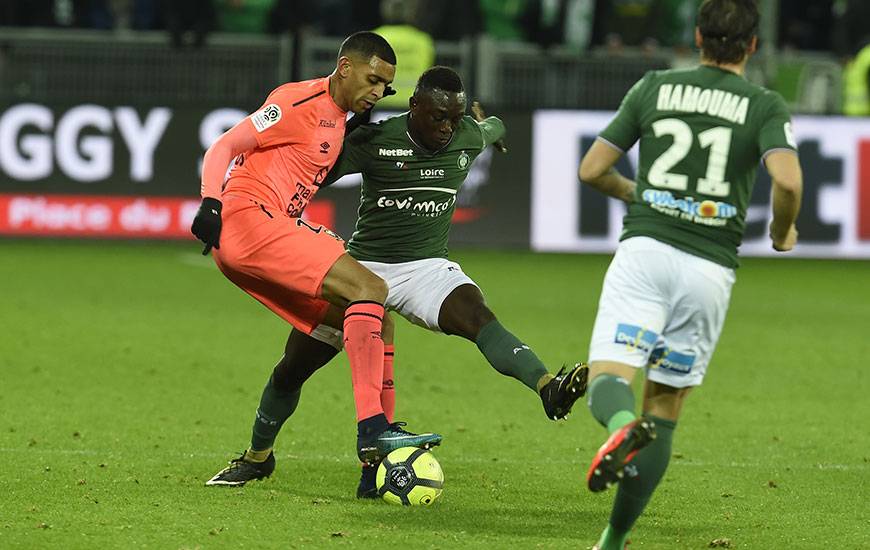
x=701, y=134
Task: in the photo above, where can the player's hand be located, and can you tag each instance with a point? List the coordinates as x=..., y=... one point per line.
x=357, y=120
x=480, y=116
x=207, y=224
x=787, y=242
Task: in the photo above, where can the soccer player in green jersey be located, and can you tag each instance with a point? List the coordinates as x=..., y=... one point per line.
x=702, y=133
x=413, y=166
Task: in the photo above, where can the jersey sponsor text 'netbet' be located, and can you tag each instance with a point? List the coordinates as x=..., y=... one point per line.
x=408, y=194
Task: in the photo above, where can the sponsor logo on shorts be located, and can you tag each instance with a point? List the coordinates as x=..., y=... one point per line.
x=266, y=117
x=395, y=152
x=672, y=361
x=327, y=123
x=636, y=337
x=704, y=212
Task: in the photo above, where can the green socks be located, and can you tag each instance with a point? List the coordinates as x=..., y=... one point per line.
x=509, y=356
x=275, y=408
x=611, y=401
x=642, y=476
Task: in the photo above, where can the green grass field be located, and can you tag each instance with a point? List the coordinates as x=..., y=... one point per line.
x=129, y=374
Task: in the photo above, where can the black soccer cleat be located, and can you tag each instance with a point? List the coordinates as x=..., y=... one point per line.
x=367, y=487
x=372, y=448
x=240, y=471
x=560, y=393
x=608, y=466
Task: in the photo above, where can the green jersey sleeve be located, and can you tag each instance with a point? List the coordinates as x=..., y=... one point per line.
x=776, y=132
x=354, y=157
x=624, y=130
x=492, y=129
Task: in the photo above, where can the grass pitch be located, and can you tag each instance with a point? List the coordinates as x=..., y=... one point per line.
x=129, y=374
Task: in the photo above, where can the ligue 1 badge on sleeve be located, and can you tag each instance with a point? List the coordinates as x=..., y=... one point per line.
x=462, y=162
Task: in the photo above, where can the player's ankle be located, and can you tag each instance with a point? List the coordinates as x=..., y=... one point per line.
x=543, y=381
x=257, y=456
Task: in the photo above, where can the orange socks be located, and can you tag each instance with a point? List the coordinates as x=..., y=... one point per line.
x=388, y=392
x=365, y=350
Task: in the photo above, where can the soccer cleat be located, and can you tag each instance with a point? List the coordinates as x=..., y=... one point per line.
x=560, y=393
x=373, y=448
x=609, y=463
x=367, y=482
x=240, y=471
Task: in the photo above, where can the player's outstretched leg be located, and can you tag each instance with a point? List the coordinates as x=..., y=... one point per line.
x=465, y=313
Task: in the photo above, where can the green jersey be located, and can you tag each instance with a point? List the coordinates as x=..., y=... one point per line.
x=702, y=133
x=408, y=194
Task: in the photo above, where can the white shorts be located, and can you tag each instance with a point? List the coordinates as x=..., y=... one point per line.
x=417, y=291
x=663, y=309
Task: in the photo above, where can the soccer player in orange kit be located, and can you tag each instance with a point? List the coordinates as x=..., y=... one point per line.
x=278, y=157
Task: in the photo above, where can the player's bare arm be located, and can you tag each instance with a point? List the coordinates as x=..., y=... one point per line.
x=787, y=183
x=597, y=169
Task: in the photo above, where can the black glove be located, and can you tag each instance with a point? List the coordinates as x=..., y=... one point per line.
x=207, y=224
x=357, y=120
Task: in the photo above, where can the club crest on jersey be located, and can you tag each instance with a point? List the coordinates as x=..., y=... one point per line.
x=462, y=161
x=266, y=117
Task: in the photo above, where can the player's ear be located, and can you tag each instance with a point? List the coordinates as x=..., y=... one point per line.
x=412, y=102
x=697, y=37
x=344, y=66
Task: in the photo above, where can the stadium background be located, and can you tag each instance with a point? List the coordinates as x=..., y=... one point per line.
x=102, y=131
x=129, y=368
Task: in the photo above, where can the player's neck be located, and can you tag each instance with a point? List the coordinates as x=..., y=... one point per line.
x=736, y=68
x=334, y=92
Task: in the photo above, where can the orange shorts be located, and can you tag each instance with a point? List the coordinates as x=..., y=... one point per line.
x=279, y=260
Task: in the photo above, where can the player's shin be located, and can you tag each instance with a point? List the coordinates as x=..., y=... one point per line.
x=275, y=408
x=509, y=356
x=365, y=352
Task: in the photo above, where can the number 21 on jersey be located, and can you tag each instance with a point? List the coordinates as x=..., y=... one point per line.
x=717, y=140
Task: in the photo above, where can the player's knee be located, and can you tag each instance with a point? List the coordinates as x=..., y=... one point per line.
x=480, y=316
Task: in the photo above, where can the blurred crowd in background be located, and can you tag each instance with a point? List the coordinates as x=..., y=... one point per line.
x=841, y=27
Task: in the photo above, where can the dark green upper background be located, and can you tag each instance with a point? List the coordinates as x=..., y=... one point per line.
x=702, y=132
x=408, y=194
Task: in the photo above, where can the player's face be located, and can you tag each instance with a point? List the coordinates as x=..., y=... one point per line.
x=366, y=81
x=435, y=116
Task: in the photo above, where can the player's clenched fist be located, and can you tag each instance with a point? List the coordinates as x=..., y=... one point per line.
x=207, y=224
x=480, y=116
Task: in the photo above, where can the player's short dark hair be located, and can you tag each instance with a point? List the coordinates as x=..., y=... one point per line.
x=727, y=28
x=366, y=45
x=441, y=78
